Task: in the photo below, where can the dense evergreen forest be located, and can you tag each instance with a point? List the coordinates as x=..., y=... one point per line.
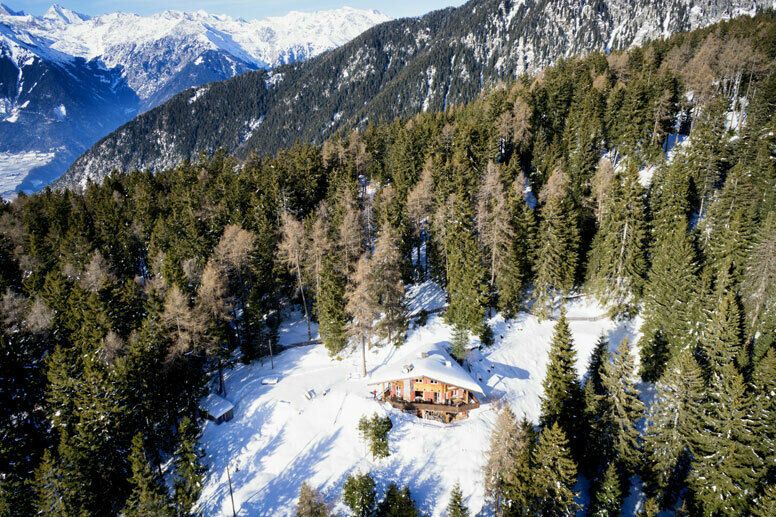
x=121, y=304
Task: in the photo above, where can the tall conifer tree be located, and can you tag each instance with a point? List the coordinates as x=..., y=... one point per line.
x=332, y=318
x=558, y=250
x=386, y=269
x=617, y=263
x=562, y=400
x=623, y=411
x=555, y=474
x=466, y=276
x=148, y=495
x=670, y=302
x=726, y=466
x=672, y=421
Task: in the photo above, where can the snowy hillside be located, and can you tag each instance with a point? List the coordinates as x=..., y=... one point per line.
x=67, y=79
x=278, y=438
x=151, y=50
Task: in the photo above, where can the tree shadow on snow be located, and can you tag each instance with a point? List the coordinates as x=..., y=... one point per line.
x=278, y=495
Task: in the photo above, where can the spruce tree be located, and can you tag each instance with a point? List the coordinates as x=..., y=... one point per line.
x=607, y=494
x=763, y=387
x=386, y=268
x=672, y=421
x=558, y=249
x=562, y=400
x=728, y=230
x=504, y=448
x=50, y=494
x=456, y=506
x=311, y=503
x=555, y=474
x=188, y=469
x=759, y=285
x=594, y=395
x=397, y=503
x=460, y=343
x=617, y=263
x=706, y=152
x=669, y=196
x=764, y=504
x=358, y=494
x=332, y=318
x=524, y=243
x=726, y=466
x=466, y=276
x=670, y=302
x=148, y=496
x=519, y=489
x=721, y=338
x=623, y=411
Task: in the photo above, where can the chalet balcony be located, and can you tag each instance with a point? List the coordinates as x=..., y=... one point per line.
x=453, y=407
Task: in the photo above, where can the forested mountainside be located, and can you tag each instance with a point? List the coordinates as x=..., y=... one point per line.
x=396, y=69
x=67, y=79
x=120, y=302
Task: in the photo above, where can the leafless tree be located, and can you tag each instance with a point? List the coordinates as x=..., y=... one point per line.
x=183, y=323
x=350, y=233
x=319, y=245
x=96, y=275
x=602, y=183
x=362, y=306
x=494, y=225
x=291, y=252
x=420, y=202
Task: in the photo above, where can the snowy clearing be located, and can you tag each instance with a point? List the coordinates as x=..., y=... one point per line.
x=279, y=439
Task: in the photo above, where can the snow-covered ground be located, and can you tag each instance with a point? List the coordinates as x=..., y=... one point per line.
x=279, y=439
x=14, y=168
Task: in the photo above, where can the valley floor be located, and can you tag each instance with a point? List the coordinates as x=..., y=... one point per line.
x=279, y=439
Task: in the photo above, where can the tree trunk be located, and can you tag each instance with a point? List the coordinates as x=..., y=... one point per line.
x=363, y=357
x=304, y=301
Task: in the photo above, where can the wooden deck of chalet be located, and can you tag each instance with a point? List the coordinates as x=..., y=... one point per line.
x=406, y=405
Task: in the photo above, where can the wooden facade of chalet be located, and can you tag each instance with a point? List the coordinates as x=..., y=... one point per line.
x=429, y=398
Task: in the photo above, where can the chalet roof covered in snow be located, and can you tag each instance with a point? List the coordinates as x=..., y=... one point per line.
x=216, y=406
x=430, y=361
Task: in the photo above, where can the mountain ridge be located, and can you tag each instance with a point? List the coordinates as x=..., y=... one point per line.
x=127, y=64
x=392, y=70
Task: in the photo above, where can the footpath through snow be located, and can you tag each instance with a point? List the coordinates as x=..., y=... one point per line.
x=279, y=438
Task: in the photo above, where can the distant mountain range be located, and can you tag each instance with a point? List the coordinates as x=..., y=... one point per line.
x=395, y=69
x=67, y=79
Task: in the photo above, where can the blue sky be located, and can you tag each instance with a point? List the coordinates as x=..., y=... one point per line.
x=244, y=8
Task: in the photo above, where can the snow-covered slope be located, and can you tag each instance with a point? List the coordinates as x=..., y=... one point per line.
x=279, y=439
x=396, y=69
x=151, y=50
x=125, y=64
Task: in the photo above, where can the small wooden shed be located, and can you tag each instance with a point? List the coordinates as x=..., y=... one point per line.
x=217, y=408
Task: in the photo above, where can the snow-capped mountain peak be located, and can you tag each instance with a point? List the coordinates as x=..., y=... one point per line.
x=152, y=49
x=57, y=13
x=67, y=79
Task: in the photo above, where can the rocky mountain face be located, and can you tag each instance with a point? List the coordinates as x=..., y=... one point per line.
x=67, y=79
x=395, y=69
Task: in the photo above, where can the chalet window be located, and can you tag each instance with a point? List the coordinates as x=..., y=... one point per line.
x=432, y=381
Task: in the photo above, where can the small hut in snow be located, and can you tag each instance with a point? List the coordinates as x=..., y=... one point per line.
x=429, y=383
x=217, y=408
